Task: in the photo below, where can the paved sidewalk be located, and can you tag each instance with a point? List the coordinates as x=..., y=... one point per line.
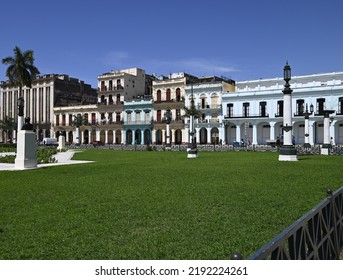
x=62, y=158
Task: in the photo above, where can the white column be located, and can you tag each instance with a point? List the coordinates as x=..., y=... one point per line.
x=197, y=131
x=310, y=132
x=106, y=136
x=332, y=132
x=238, y=133
x=254, y=134
x=272, y=131
x=287, y=119
x=208, y=135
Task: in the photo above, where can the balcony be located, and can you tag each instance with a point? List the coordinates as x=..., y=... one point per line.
x=208, y=108
x=246, y=116
x=105, y=89
x=143, y=122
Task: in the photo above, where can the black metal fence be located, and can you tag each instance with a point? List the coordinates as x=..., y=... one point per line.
x=318, y=235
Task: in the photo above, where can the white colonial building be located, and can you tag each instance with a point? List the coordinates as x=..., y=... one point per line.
x=254, y=112
x=207, y=94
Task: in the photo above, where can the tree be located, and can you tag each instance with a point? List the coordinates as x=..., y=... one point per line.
x=78, y=121
x=21, y=70
x=7, y=126
x=192, y=111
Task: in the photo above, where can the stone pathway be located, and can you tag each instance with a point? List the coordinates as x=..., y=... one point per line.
x=62, y=158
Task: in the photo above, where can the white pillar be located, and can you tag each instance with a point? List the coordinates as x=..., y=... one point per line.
x=208, y=135
x=287, y=150
x=197, y=137
x=287, y=120
x=272, y=131
x=306, y=131
x=238, y=133
x=254, y=134
x=310, y=132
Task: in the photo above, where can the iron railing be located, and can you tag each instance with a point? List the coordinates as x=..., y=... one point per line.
x=318, y=235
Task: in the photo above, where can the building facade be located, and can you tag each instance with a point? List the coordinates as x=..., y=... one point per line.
x=138, y=123
x=207, y=95
x=254, y=112
x=46, y=93
x=169, y=94
x=129, y=107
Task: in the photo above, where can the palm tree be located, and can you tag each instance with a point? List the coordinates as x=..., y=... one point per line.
x=21, y=70
x=192, y=110
x=7, y=126
x=78, y=121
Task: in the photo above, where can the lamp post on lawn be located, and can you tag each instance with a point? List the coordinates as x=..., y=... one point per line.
x=167, y=119
x=192, y=151
x=307, y=115
x=325, y=150
x=287, y=150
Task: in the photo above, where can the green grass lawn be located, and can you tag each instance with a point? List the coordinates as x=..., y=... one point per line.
x=158, y=205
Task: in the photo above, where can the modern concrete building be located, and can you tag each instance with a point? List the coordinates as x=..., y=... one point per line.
x=47, y=92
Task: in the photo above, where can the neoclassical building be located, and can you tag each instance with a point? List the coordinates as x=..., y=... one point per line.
x=138, y=123
x=129, y=107
x=207, y=94
x=104, y=120
x=47, y=92
x=169, y=94
x=254, y=112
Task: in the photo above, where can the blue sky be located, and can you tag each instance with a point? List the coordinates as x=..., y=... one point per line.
x=240, y=39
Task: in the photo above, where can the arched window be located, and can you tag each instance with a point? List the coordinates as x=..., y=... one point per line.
x=158, y=96
x=214, y=101
x=178, y=95
x=168, y=94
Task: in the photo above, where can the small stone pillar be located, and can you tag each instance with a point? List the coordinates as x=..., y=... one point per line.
x=61, y=142
x=26, y=147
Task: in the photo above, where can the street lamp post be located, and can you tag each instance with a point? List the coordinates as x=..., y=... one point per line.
x=325, y=150
x=307, y=115
x=167, y=119
x=287, y=150
x=192, y=151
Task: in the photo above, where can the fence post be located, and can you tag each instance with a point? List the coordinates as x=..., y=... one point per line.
x=334, y=222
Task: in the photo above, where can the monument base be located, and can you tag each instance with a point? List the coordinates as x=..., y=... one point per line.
x=61, y=143
x=192, y=153
x=288, y=153
x=326, y=149
x=26, y=150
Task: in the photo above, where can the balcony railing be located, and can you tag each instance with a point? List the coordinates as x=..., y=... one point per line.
x=209, y=107
x=236, y=116
x=110, y=89
x=144, y=122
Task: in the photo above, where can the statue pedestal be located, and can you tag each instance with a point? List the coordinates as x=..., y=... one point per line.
x=26, y=150
x=61, y=143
